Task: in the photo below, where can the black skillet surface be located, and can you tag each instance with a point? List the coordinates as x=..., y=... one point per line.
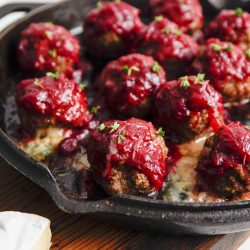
x=181, y=218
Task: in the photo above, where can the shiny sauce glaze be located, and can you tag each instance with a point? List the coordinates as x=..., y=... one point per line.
x=55, y=97
x=45, y=47
x=179, y=100
x=132, y=143
x=129, y=82
x=232, y=26
x=226, y=62
x=186, y=13
x=164, y=40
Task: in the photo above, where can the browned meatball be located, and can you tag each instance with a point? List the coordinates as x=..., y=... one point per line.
x=128, y=84
x=128, y=157
x=112, y=29
x=224, y=165
x=187, y=106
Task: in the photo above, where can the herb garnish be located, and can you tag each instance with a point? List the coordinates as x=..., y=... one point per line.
x=156, y=67
x=53, y=52
x=238, y=12
x=49, y=34
x=114, y=127
x=82, y=85
x=199, y=79
x=38, y=83
x=121, y=137
x=228, y=48
x=184, y=82
x=95, y=109
x=177, y=32
x=129, y=70
x=215, y=47
x=160, y=132
x=166, y=31
x=54, y=75
x=158, y=18
x=101, y=127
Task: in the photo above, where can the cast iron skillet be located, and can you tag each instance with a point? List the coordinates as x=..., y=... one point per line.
x=158, y=215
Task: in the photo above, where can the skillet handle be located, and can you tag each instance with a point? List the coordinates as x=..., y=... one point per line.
x=18, y=7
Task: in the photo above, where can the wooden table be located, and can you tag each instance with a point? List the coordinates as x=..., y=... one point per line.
x=17, y=193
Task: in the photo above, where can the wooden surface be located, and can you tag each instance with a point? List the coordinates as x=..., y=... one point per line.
x=17, y=193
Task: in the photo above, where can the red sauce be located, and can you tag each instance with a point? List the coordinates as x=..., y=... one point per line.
x=68, y=146
x=118, y=17
x=230, y=150
x=174, y=155
x=225, y=61
x=47, y=47
x=138, y=149
x=186, y=13
x=163, y=40
x=176, y=104
x=230, y=26
x=59, y=99
x=128, y=84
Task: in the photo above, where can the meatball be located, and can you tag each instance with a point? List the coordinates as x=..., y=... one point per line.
x=186, y=13
x=224, y=165
x=128, y=157
x=111, y=29
x=46, y=47
x=53, y=99
x=228, y=68
x=164, y=41
x=128, y=84
x=232, y=26
x=187, y=106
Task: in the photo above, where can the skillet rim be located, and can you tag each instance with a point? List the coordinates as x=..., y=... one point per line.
x=127, y=199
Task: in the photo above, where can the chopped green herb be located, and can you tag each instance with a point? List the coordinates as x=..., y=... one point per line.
x=95, y=109
x=54, y=75
x=199, y=79
x=215, y=47
x=114, y=127
x=101, y=127
x=228, y=48
x=177, y=32
x=38, y=83
x=248, y=53
x=121, y=137
x=129, y=70
x=99, y=4
x=158, y=18
x=82, y=85
x=53, y=52
x=117, y=1
x=166, y=31
x=49, y=34
x=156, y=67
x=160, y=132
x=238, y=12
x=184, y=82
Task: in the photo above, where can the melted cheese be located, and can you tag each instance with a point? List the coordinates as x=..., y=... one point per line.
x=180, y=185
x=45, y=142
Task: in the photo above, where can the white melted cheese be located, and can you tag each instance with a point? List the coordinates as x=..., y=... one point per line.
x=20, y=231
x=45, y=142
x=181, y=181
